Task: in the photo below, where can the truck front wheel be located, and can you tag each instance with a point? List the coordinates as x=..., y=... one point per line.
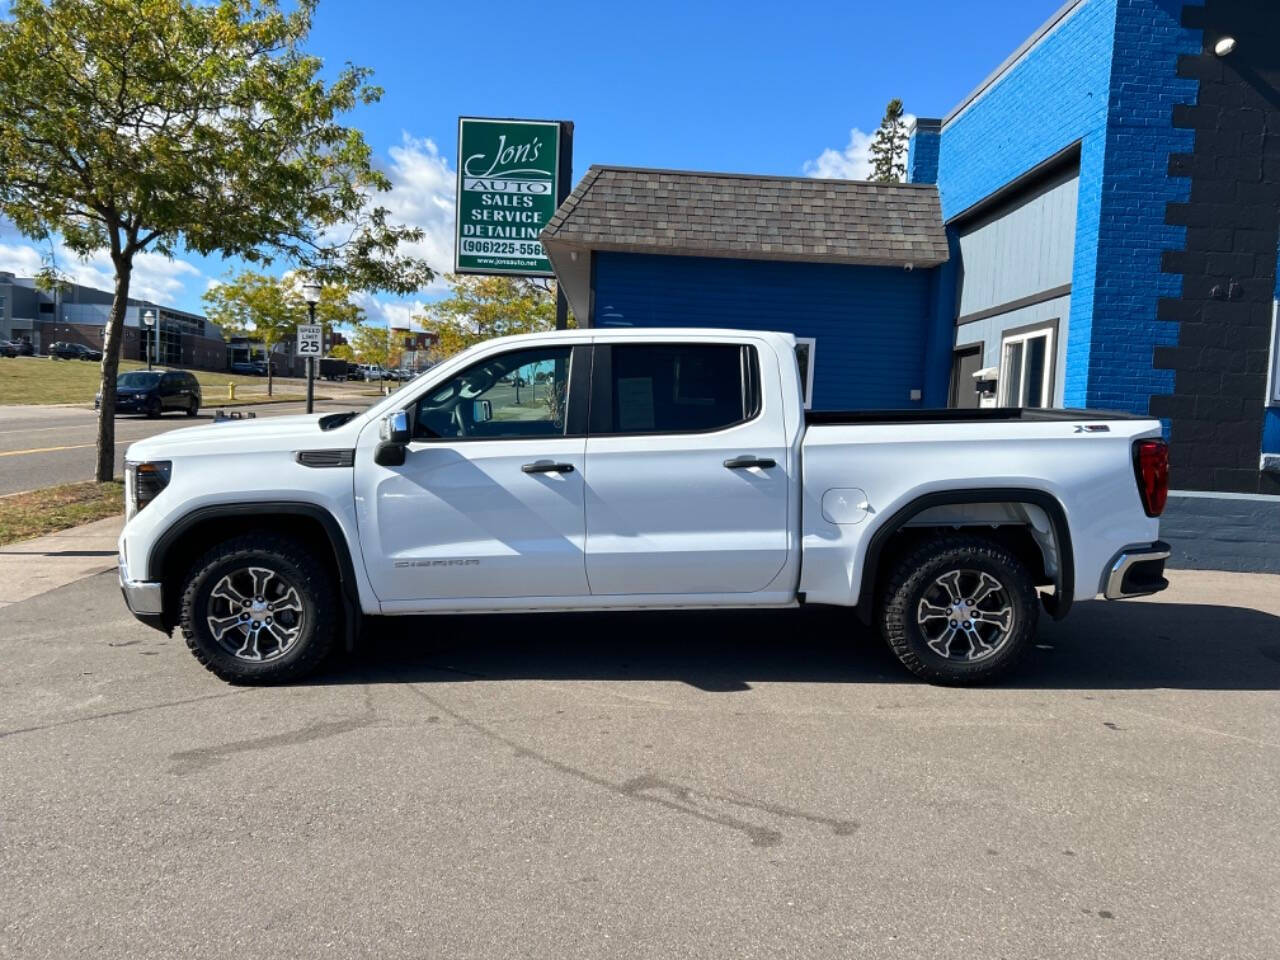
x=260, y=609
x=959, y=610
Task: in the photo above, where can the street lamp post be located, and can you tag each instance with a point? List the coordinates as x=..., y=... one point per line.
x=311, y=293
x=149, y=319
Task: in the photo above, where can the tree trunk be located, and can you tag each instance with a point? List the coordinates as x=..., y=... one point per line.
x=268, y=371
x=111, y=344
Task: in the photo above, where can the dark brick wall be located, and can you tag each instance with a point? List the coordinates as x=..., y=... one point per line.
x=1223, y=532
x=1228, y=266
x=86, y=333
x=204, y=353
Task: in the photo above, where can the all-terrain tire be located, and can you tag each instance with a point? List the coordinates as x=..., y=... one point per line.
x=294, y=565
x=916, y=577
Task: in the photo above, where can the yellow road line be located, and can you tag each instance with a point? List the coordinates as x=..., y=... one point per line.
x=18, y=453
x=76, y=446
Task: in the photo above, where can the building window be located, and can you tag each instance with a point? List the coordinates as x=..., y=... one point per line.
x=806, y=348
x=1026, y=366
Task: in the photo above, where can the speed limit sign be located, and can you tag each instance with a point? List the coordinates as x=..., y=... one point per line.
x=309, y=339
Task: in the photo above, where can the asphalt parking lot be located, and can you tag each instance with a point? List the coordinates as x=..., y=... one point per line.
x=692, y=785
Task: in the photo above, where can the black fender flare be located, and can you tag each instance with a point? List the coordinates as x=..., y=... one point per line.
x=1064, y=583
x=350, y=593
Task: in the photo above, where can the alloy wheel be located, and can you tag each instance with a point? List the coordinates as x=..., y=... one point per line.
x=255, y=614
x=965, y=615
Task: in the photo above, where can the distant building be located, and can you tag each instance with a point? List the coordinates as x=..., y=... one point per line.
x=79, y=314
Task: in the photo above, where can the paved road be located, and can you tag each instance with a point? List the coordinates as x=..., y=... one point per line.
x=763, y=785
x=45, y=445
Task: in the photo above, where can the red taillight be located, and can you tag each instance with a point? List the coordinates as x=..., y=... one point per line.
x=1151, y=466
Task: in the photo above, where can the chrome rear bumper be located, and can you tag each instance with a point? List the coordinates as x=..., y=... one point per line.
x=1137, y=572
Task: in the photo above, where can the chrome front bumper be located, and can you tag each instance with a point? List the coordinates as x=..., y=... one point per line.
x=144, y=598
x=1137, y=572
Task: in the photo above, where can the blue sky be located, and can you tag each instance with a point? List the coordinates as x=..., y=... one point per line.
x=741, y=86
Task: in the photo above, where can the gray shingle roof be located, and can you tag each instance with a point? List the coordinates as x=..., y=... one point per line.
x=752, y=217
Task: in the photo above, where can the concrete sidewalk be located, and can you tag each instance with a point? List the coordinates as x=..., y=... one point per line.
x=32, y=567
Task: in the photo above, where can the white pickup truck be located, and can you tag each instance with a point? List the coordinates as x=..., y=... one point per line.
x=628, y=469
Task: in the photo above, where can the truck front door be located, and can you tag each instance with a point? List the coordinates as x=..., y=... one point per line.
x=488, y=504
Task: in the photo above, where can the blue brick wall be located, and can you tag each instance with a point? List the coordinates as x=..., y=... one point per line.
x=1051, y=98
x=922, y=152
x=1132, y=233
x=870, y=323
x=1055, y=96
x=1106, y=78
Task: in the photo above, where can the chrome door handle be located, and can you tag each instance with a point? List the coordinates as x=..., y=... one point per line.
x=547, y=466
x=741, y=463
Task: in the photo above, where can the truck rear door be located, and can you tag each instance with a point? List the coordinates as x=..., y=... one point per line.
x=687, y=462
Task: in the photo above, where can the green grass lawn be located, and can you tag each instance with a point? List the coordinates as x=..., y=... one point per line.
x=33, y=514
x=42, y=380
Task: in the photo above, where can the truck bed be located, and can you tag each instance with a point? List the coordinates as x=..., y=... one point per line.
x=981, y=415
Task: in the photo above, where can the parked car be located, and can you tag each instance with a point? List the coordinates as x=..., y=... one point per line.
x=262, y=366
x=941, y=526
x=16, y=348
x=61, y=350
x=153, y=392
x=247, y=368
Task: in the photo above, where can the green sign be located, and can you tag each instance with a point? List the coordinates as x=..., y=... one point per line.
x=508, y=185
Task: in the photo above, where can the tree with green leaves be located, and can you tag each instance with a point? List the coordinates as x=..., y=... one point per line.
x=268, y=309
x=134, y=125
x=889, y=147
x=479, y=308
x=375, y=344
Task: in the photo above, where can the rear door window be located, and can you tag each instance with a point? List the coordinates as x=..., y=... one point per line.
x=675, y=388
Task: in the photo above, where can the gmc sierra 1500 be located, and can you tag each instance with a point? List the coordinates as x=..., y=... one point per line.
x=616, y=469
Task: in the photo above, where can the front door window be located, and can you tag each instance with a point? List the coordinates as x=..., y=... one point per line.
x=518, y=394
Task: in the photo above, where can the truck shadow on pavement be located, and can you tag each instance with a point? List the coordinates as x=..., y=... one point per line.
x=1131, y=645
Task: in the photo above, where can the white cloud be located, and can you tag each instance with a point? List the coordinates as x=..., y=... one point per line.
x=155, y=277
x=854, y=161
x=422, y=195
x=390, y=313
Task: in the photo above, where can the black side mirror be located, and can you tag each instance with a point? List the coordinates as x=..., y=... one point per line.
x=388, y=454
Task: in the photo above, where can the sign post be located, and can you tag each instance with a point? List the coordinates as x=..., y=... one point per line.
x=310, y=336
x=512, y=174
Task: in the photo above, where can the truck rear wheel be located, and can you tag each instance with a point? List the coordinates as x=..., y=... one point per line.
x=260, y=609
x=959, y=610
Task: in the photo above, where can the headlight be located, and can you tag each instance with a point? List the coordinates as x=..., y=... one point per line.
x=143, y=483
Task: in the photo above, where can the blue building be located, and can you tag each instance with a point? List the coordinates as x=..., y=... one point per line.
x=847, y=266
x=1112, y=193
x=1096, y=225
